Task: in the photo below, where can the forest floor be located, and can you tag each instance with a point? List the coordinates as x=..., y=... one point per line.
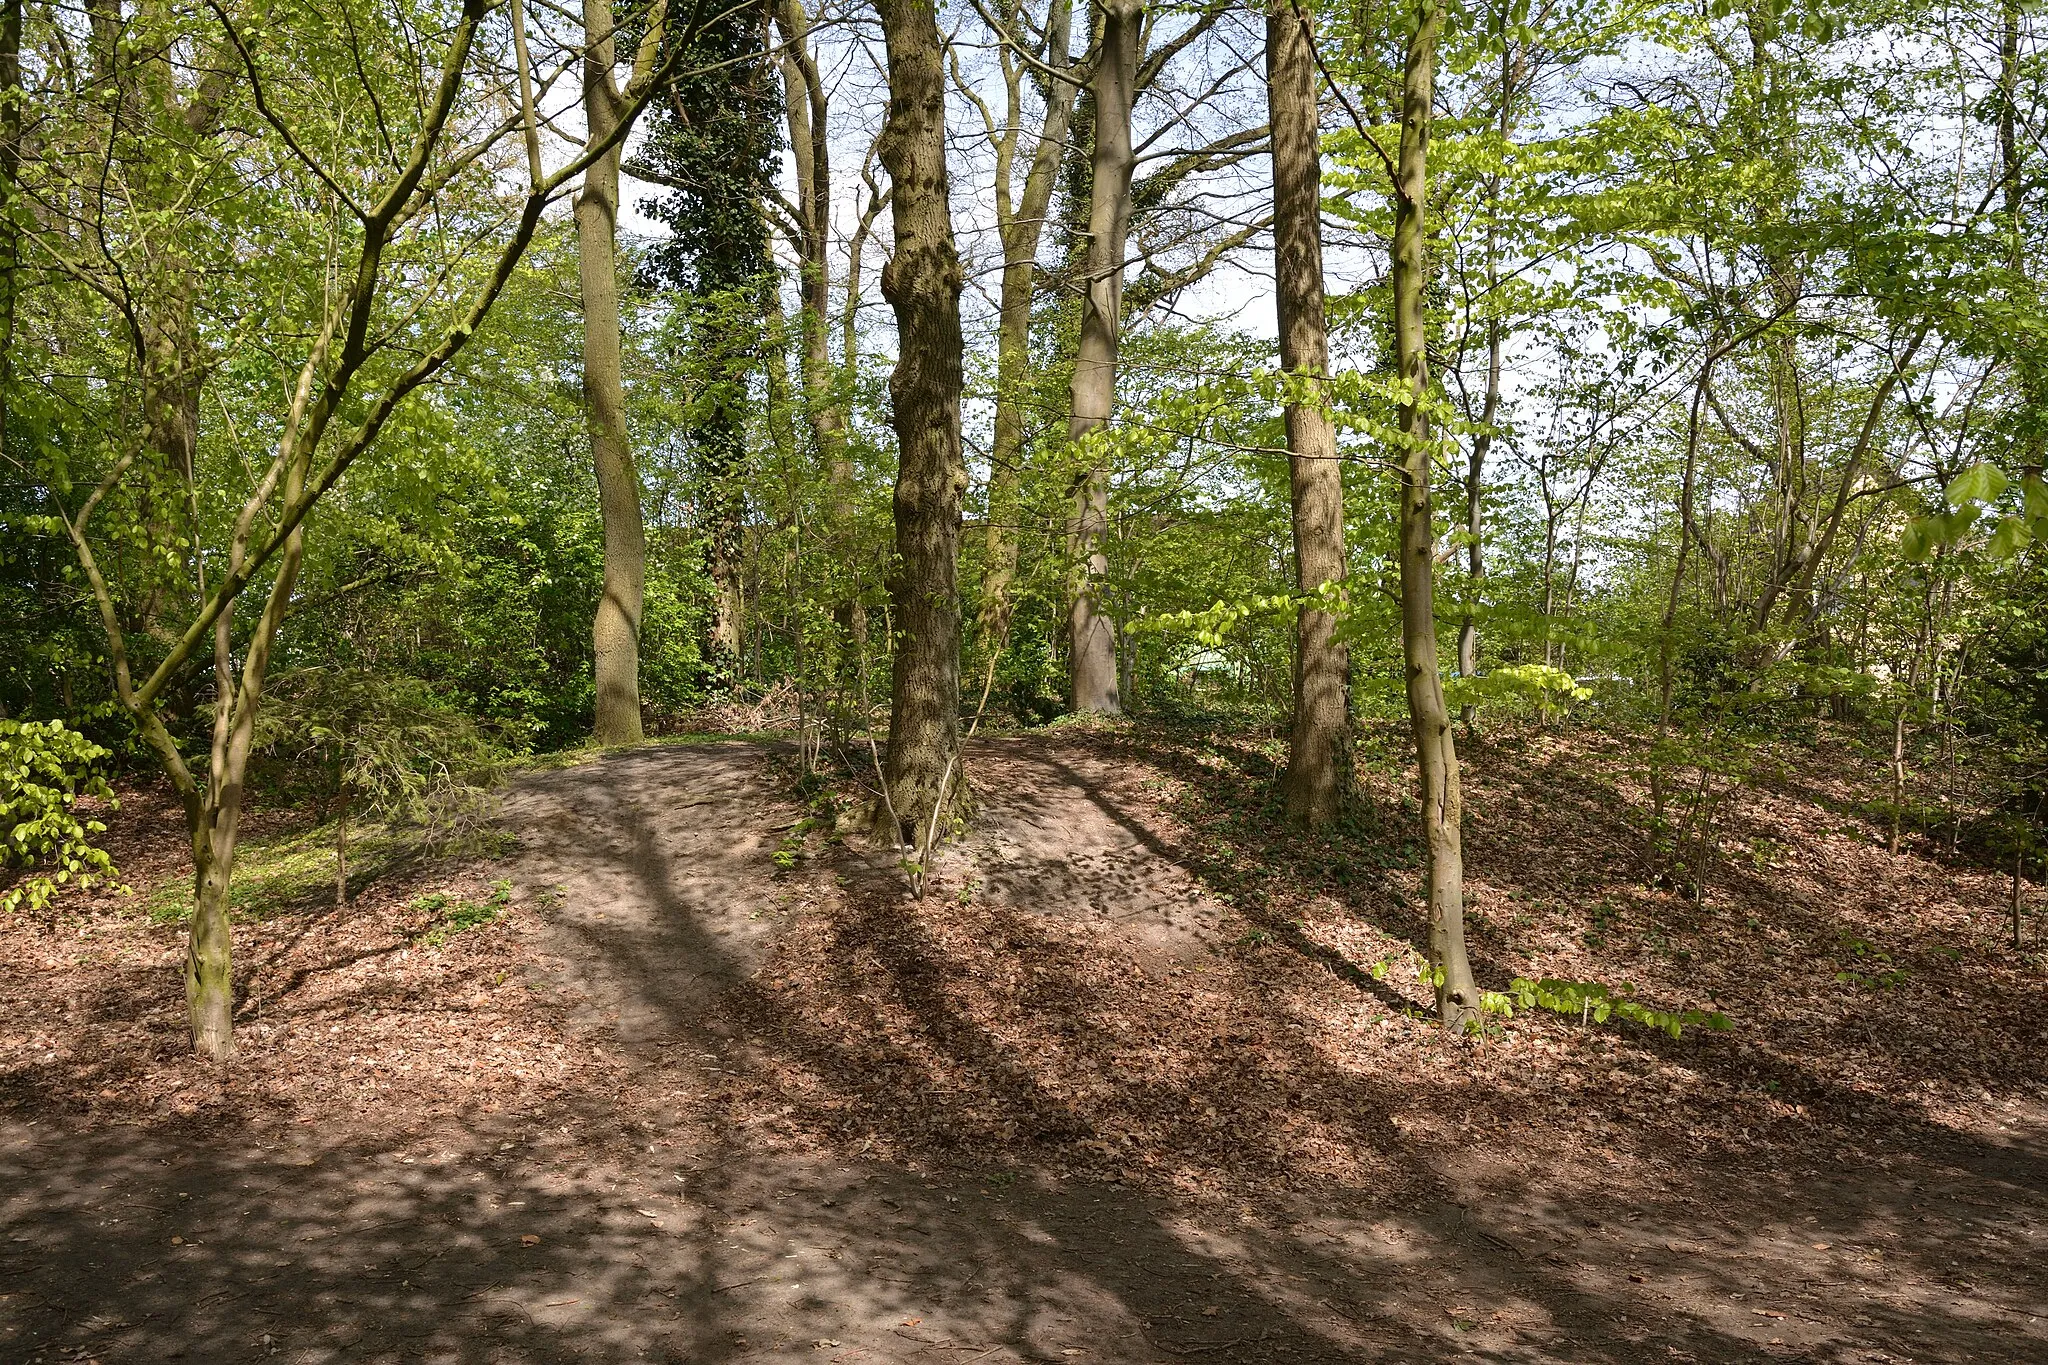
x=683, y=1077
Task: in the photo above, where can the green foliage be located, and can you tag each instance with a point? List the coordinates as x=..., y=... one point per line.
x=1539, y=686
x=390, y=746
x=1594, y=1002
x=289, y=873
x=452, y=915
x=1869, y=967
x=44, y=769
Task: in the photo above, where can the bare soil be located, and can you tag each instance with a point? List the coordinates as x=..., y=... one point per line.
x=1124, y=1086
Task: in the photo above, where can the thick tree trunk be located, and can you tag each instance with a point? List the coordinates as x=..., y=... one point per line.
x=1091, y=632
x=1436, y=754
x=1022, y=228
x=615, y=635
x=1315, y=757
x=922, y=283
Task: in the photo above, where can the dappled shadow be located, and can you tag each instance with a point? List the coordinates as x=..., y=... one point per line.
x=654, y=866
x=1019, y=1122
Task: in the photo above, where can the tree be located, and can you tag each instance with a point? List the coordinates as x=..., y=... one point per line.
x=391, y=303
x=1436, y=754
x=607, y=117
x=1020, y=222
x=710, y=144
x=922, y=283
x=1314, y=756
x=1091, y=633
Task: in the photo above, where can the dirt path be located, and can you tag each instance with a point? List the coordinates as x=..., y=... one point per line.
x=713, y=1189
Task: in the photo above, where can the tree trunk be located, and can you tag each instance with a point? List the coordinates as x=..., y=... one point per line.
x=922, y=283
x=1022, y=228
x=209, y=958
x=1482, y=444
x=1315, y=756
x=1091, y=632
x=341, y=848
x=806, y=105
x=615, y=635
x=1435, y=752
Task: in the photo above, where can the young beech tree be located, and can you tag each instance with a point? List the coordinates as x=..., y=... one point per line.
x=922, y=283
x=400, y=290
x=1314, y=767
x=1436, y=753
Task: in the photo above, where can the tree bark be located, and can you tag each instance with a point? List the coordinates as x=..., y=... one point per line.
x=922, y=283
x=805, y=101
x=1091, y=652
x=615, y=634
x=1435, y=752
x=1315, y=756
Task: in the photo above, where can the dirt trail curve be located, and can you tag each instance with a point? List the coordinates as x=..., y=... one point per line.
x=651, y=1225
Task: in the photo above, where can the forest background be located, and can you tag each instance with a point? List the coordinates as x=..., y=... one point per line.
x=393, y=390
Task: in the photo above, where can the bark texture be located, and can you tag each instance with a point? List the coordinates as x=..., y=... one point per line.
x=615, y=635
x=1091, y=631
x=1315, y=756
x=1436, y=754
x=922, y=283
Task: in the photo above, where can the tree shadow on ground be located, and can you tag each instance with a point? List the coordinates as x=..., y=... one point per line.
x=1400, y=1205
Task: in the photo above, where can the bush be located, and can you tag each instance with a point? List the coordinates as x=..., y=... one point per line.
x=44, y=769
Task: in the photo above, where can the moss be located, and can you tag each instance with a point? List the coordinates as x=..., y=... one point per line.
x=280, y=874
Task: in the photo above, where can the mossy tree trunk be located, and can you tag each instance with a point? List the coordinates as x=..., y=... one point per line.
x=615, y=633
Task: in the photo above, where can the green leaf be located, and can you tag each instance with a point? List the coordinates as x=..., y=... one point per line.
x=2034, y=497
x=1977, y=484
x=2007, y=539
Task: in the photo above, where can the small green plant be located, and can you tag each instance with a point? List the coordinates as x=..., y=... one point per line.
x=790, y=851
x=1604, y=915
x=1595, y=1003
x=453, y=915
x=44, y=769
x=1869, y=966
